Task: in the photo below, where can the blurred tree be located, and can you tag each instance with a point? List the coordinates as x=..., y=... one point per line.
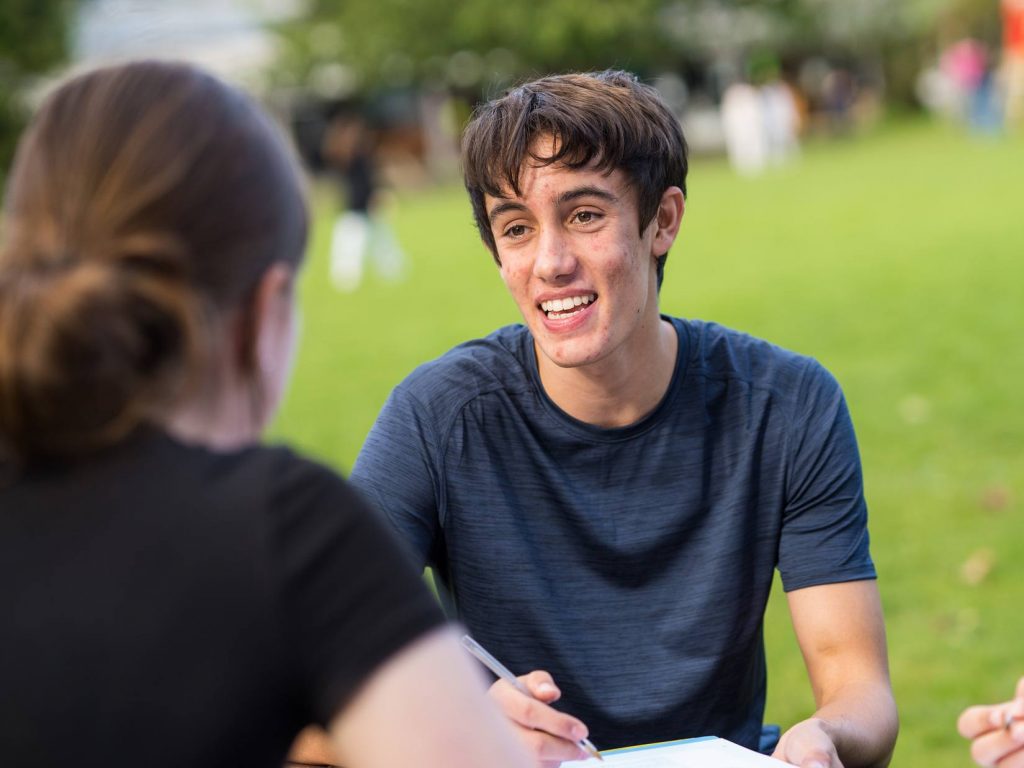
x=482, y=45
x=33, y=38
x=478, y=41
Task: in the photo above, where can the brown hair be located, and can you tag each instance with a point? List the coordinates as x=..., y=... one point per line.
x=606, y=119
x=144, y=199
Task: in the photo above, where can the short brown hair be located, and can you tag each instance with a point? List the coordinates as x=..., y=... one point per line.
x=608, y=119
x=144, y=200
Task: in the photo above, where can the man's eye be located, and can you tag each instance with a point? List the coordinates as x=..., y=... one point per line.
x=586, y=217
x=516, y=230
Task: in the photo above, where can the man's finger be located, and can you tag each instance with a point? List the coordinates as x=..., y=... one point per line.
x=541, y=685
x=817, y=759
x=992, y=747
x=533, y=714
x=977, y=720
x=1016, y=760
x=551, y=749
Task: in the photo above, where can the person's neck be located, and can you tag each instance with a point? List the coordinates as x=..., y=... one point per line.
x=213, y=431
x=222, y=419
x=621, y=389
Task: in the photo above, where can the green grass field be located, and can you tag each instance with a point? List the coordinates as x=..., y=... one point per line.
x=898, y=261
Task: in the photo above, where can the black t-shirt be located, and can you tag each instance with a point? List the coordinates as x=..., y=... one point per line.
x=164, y=605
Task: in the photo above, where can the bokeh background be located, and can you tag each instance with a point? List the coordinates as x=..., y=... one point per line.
x=881, y=231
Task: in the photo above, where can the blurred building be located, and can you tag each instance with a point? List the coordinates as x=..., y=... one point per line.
x=228, y=37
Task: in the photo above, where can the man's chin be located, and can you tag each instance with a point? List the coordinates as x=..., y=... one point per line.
x=566, y=354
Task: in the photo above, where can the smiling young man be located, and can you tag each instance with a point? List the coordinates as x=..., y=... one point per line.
x=606, y=491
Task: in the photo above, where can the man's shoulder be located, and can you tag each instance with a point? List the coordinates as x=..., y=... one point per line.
x=475, y=367
x=719, y=352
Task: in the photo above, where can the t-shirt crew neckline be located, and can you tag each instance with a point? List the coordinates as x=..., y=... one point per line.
x=611, y=434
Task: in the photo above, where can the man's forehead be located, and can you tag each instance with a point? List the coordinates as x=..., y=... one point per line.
x=558, y=179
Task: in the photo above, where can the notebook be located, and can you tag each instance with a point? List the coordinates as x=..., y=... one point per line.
x=702, y=752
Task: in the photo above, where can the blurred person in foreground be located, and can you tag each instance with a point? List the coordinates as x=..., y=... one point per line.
x=996, y=731
x=606, y=491
x=174, y=594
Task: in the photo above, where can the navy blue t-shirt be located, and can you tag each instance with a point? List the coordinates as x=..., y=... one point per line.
x=632, y=563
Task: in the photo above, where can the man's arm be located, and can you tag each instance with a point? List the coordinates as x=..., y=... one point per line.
x=397, y=471
x=842, y=636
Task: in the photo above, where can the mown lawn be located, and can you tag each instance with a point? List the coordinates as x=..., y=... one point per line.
x=898, y=261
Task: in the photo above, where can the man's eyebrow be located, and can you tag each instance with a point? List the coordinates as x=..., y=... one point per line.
x=587, y=191
x=505, y=207
x=568, y=196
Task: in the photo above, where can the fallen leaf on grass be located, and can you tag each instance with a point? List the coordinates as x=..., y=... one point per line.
x=977, y=567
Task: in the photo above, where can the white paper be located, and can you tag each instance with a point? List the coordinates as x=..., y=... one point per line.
x=708, y=752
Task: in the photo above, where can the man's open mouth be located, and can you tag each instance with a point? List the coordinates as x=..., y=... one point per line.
x=558, y=309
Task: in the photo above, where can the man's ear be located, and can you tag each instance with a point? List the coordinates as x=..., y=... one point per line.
x=667, y=220
x=257, y=319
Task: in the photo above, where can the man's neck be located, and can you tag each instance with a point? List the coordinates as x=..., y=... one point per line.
x=619, y=390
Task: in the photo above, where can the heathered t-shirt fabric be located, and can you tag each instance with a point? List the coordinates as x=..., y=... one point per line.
x=632, y=563
x=164, y=605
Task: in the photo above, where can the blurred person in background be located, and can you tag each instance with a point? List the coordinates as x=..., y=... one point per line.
x=607, y=491
x=781, y=119
x=173, y=593
x=839, y=94
x=744, y=121
x=360, y=233
x=996, y=731
x=760, y=119
x=1013, y=62
x=964, y=63
x=968, y=67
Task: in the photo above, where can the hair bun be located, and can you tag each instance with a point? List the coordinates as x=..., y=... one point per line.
x=90, y=346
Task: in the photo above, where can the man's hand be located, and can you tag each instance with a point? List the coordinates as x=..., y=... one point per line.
x=808, y=745
x=548, y=734
x=996, y=731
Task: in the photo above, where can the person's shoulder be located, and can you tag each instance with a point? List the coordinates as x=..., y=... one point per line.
x=294, y=479
x=261, y=475
x=719, y=352
x=471, y=369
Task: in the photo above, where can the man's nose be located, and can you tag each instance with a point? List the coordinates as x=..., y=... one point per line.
x=556, y=258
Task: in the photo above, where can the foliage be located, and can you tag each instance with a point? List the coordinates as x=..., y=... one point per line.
x=478, y=46
x=33, y=38
x=468, y=42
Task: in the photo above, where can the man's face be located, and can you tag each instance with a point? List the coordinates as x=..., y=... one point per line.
x=574, y=260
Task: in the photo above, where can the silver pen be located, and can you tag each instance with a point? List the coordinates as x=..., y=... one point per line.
x=503, y=672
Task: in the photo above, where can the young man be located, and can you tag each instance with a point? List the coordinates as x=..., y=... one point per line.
x=606, y=491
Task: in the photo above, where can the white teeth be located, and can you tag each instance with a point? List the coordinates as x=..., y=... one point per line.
x=569, y=302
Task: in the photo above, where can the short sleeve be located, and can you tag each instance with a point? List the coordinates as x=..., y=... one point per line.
x=398, y=471
x=824, y=530
x=349, y=597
